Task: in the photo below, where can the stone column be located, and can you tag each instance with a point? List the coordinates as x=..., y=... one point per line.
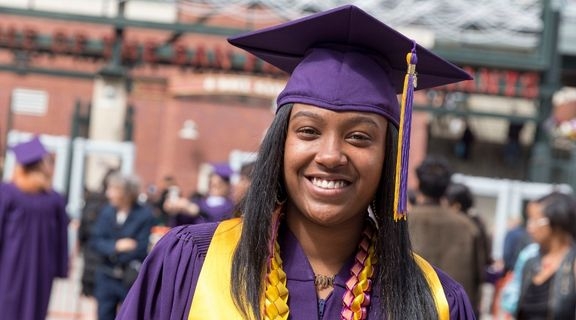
x=107, y=123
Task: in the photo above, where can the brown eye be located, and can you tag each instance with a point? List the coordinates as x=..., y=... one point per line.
x=359, y=139
x=307, y=132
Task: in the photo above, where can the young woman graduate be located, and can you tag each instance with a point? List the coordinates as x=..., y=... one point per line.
x=306, y=246
x=33, y=234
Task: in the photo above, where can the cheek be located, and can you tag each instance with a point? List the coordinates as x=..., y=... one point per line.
x=288, y=169
x=538, y=233
x=293, y=152
x=293, y=147
x=113, y=194
x=375, y=169
x=373, y=179
x=373, y=165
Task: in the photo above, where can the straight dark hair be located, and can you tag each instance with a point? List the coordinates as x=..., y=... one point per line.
x=403, y=288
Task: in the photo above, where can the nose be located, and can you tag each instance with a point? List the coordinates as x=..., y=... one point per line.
x=331, y=153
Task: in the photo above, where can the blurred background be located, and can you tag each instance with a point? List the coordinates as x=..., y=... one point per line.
x=152, y=88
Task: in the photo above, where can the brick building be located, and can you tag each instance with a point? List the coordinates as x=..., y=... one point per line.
x=195, y=99
x=227, y=109
x=189, y=109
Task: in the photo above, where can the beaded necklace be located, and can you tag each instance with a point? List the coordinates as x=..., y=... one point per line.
x=356, y=299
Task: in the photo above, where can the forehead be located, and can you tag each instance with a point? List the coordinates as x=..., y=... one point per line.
x=535, y=209
x=300, y=110
x=116, y=186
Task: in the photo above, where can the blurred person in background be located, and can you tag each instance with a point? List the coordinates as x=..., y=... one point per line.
x=33, y=235
x=93, y=203
x=508, y=286
x=506, y=302
x=516, y=239
x=513, y=147
x=460, y=199
x=168, y=183
x=120, y=236
x=547, y=282
x=241, y=186
x=216, y=205
x=449, y=241
x=463, y=147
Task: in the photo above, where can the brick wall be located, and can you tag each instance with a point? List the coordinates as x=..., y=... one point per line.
x=62, y=94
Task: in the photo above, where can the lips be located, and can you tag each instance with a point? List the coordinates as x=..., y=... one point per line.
x=329, y=184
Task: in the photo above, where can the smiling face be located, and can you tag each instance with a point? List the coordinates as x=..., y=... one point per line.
x=332, y=163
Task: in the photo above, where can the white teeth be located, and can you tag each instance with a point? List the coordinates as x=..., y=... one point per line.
x=328, y=184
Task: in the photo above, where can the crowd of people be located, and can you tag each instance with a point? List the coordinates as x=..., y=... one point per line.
x=114, y=231
x=536, y=277
x=321, y=225
x=537, y=271
x=116, y=228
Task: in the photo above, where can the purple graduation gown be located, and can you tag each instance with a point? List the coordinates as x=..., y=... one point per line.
x=33, y=251
x=166, y=283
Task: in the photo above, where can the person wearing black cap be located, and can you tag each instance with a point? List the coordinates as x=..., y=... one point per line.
x=33, y=235
x=306, y=246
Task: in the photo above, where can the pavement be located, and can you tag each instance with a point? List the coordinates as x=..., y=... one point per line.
x=66, y=302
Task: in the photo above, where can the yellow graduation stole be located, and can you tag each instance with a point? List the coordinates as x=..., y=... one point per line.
x=212, y=298
x=435, y=286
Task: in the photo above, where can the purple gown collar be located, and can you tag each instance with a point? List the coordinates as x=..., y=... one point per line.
x=296, y=264
x=300, y=276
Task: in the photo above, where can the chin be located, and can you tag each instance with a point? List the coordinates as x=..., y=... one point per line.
x=329, y=217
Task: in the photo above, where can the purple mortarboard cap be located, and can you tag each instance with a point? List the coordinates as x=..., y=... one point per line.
x=346, y=60
x=223, y=170
x=29, y=152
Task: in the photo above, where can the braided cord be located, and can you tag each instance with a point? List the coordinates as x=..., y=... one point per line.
x=276, y=294
x=357, y=297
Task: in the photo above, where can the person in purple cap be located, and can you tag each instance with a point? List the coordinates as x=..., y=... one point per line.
x=33, y=235
x=215, y=206
x=323, y=233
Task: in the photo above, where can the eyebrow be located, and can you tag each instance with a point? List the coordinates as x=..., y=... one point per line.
x=355, y=120
x=307, y=114
x=364, y=120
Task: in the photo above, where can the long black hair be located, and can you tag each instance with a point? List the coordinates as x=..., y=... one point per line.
x=403, y=288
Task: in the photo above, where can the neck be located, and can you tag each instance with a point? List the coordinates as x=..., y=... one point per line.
x=428, y=201
x=327, y=247
x=557, y=245
x=124, y=207
x=29, y=182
